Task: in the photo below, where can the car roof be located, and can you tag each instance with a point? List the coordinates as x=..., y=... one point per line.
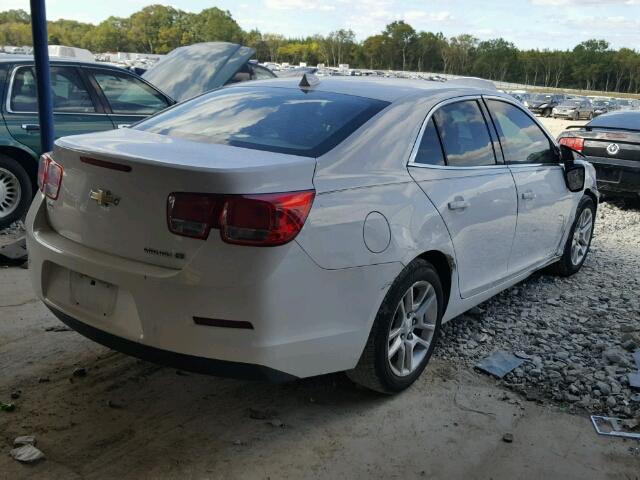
x=15, y=58
x=385, y=89
x=625, y=120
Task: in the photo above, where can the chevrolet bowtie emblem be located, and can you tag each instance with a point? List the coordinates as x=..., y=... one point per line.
x=104, y=197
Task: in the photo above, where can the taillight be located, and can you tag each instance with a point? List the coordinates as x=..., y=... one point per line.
x=261, y=220
x=575, y=143
x=49, y=176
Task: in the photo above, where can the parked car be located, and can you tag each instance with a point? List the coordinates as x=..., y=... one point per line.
x=189, y=71
x=91, y=97
x=600, y=107
x=87, y=97
x=543, y=104
x=574, y=109
x=611, y=143
x=285, y=229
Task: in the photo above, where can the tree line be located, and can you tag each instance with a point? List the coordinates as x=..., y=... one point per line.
x=590, y=65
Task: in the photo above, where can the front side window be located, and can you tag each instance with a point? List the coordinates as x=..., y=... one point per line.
x=284, y=120
x=465, y=135
x=129, y=95
x=430, y=149
x=68, y=91
x=523, y=141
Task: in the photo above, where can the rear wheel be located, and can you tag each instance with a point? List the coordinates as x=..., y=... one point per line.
x=15, y=191
x=404, y=332
x=579, y=240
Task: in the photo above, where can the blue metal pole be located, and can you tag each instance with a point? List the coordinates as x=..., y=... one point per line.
x=43, y=77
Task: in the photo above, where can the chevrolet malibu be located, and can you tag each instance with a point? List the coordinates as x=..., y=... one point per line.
x=287, y=228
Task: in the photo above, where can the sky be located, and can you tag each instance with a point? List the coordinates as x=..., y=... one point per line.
x=553, y=24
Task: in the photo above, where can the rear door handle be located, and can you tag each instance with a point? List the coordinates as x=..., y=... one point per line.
x=528, y=195
x=31, y=127
x=458, y=203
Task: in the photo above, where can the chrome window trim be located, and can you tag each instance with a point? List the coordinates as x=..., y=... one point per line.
x=536, y=121
x=8, y=108
x=416, y=145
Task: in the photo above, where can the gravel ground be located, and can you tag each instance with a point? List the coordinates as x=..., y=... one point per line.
x=578, y=333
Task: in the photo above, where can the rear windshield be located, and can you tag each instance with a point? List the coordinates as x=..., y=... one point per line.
x=622, y=120
x=283, y=120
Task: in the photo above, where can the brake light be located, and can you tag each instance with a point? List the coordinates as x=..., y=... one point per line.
x=575, y=143
x=260, y=220
x=49, y=176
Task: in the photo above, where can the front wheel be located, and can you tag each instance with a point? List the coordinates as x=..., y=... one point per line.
x=579, y=240
x=15, y=191
x=547, y=113
x=404, y=332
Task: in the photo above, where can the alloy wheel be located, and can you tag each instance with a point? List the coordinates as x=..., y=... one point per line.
x=582, y=236
x=10, y=192
x=412, y=328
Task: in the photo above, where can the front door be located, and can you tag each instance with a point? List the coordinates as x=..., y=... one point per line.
x=74, y=109
x=543, y=198
x=455, y=165
x=128, y=98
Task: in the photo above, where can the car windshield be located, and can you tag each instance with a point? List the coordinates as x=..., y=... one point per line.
x=284, y=120
x=542, y=98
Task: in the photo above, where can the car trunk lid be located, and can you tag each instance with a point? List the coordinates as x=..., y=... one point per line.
x=116, y=185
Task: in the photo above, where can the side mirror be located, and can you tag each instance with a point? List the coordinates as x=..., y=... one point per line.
x=574, y=173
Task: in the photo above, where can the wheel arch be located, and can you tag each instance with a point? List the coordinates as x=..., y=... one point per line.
x=26, y=158
x=444, y=265
x=589, y=193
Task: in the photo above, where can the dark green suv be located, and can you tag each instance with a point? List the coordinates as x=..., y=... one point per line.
x=87, y=97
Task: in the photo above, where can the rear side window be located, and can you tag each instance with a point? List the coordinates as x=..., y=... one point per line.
x=67, y=88
x=284, y=120
x=129, y=95
x=522, y=140
x=430, y=149
x=465, y=135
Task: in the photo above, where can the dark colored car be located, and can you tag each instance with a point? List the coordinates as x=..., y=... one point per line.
x=543, y=104
x=600, y=107
x=611, y=142
x=90, y=97
x=87, y=97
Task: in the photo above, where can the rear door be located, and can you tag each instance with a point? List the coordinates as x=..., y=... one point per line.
x=543, y=198
x=75, y=110
x=128, y=99
x=455, y=165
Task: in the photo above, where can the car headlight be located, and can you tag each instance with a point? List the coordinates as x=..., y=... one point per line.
x=555, y=110
x=526, y=104
x=544, y=105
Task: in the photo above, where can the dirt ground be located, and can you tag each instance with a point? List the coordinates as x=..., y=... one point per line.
x=556, y=125
x=130, y=419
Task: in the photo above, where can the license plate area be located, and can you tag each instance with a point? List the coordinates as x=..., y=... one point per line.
x=611, y=175
x=91, y=294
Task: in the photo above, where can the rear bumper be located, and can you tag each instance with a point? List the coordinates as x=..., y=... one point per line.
x=617, y=176
x=167, y=358
x=305, y=320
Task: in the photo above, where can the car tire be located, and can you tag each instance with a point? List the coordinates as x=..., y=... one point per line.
x=546, y=113
x=590, y=116
x=397, y=329
x=580, y=237
x=16, y=191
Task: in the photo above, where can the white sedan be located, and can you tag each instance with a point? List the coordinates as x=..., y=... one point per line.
x=280, y=230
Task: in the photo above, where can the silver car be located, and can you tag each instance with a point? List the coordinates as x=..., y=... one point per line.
x=285, y=228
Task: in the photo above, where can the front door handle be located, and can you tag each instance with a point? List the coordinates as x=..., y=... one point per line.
x=31, y=127
x=124, y=125
x=458, y=203
x=528, y=195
